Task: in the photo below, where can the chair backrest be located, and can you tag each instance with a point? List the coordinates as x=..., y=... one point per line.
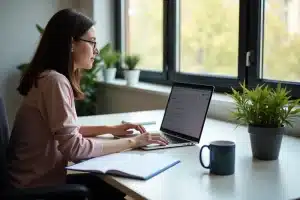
x=4, y=139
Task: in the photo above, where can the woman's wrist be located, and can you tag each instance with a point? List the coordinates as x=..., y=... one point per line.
x=111, y=129
x=133, y=143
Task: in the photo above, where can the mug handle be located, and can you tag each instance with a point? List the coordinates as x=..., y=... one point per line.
x=200, y=157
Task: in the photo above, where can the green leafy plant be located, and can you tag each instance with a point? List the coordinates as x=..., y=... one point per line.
x=131, y=61
x=89, y=86
x=39, y=28
x=109, y=56
x=264, y=106
x=23, y=67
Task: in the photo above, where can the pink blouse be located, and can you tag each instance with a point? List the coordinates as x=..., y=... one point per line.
x=45, y=135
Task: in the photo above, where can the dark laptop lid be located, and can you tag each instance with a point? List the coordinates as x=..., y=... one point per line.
x=186, y=110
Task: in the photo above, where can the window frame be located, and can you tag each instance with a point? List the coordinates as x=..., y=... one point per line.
x=120, y=23
x=221, y=83
x=250, y=27
x=256, y=25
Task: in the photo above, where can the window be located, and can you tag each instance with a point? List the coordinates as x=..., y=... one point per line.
x=208, y=37
x=275, y=37
x=281, y=44
x=215, y=42
x=144, y=32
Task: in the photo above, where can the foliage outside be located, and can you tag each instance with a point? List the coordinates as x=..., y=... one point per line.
x=131, y=61
x=264, y=106
x=209, y=32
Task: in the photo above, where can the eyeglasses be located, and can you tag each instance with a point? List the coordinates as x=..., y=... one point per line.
x=90, y=41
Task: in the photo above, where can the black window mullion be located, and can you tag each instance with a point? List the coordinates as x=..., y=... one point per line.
x=170, y=38
x=119, y=25
x=243, y=34
x=253, y=42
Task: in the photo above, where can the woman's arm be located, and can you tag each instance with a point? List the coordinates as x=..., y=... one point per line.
x=115, y=146
x=122, y=129
x=93, y=131
x=61, y=114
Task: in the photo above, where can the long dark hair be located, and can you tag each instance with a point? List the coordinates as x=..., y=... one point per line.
x=54, y=50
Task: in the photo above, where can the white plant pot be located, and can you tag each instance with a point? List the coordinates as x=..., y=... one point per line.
x=100, y=76
x=109, y=74
x=132, y=77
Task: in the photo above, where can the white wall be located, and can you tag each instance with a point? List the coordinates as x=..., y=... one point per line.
x=103, y=14
x=102, y=11
x=18, y=36
x=18, y=39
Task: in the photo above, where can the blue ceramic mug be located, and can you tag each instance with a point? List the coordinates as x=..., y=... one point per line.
x=222, y=157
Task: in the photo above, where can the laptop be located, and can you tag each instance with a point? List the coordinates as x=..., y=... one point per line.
x=185, y=115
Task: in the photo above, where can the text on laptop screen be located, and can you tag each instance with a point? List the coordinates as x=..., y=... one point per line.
x=186, y=110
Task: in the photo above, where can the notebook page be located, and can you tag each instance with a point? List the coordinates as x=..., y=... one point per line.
x=147, y=165
x=102, y=163
x=142, y=166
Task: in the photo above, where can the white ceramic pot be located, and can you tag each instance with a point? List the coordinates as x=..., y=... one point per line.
x=100, y=76
x=109, y=74
x=132, y=77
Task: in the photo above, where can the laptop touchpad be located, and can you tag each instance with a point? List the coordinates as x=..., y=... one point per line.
x=153, y=145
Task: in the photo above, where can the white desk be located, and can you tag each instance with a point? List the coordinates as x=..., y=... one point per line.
x=253, y=179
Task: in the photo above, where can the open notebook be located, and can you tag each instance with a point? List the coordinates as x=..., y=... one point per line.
x=127, y=164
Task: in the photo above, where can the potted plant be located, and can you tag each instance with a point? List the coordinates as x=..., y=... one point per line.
x=267, y=112
x=131, y=74
x=110, y=58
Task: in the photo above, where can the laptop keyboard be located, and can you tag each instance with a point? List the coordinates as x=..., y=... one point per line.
x=174, y=140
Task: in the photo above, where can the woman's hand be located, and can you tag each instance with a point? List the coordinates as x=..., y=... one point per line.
x=147, y=138
x=125, y=129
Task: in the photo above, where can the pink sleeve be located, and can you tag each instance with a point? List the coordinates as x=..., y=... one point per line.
x=61, y=114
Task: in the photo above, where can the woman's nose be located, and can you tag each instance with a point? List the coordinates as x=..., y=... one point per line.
x=96, y=51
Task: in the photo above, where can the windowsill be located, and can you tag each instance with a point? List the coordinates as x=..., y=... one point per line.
x=161, y=89
x=220, y=107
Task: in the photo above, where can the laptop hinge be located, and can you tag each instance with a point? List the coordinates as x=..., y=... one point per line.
x=178, y=137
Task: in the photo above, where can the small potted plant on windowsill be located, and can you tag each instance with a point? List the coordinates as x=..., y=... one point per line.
x=267, y=112
x=109, y=58
x=131, y=74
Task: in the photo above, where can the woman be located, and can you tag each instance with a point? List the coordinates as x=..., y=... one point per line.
x=45, y=135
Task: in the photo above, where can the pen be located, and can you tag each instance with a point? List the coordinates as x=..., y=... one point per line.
x=140, y=123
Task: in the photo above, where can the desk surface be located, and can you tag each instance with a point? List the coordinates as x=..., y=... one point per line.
x=253, y=179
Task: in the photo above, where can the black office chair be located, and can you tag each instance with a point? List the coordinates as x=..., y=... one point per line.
x=67, y=191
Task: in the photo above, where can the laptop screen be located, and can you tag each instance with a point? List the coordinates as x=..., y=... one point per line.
x=186, y=110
